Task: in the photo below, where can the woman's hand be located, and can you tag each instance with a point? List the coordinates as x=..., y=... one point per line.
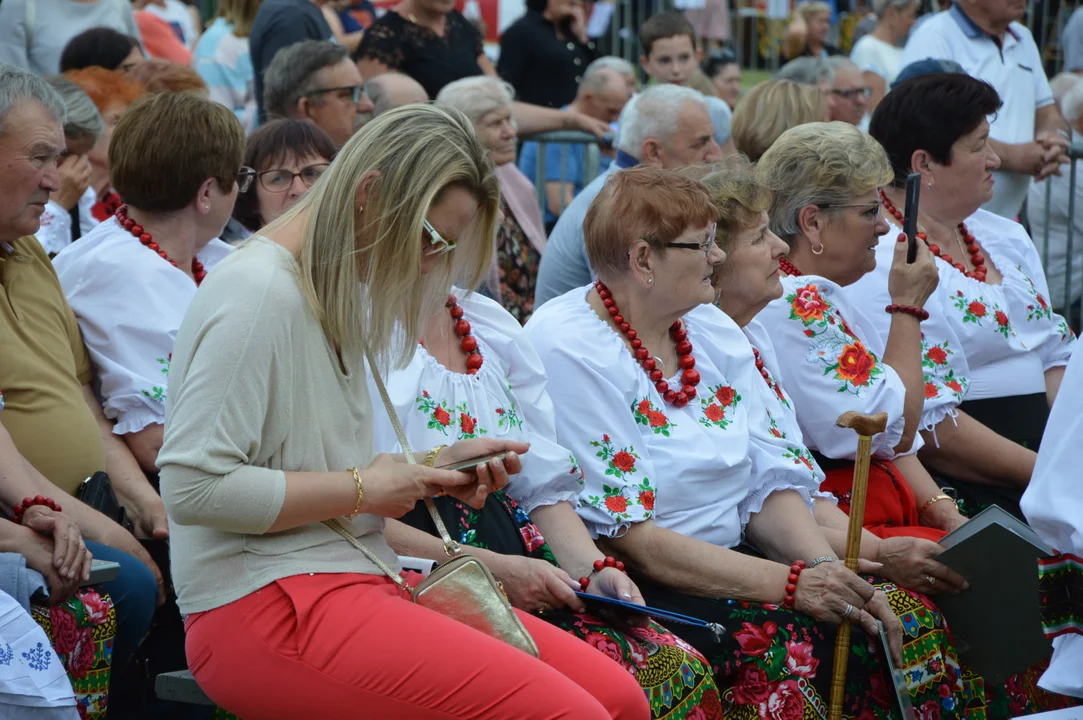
x=392, y=488
x=910, y=562
x=912, y=283
x=580, y=121
x=535, y=585
x=70, y=555
x=39, y=551
x=74, y=180
x=613, y=583
x=880, y=608
x=491, y=476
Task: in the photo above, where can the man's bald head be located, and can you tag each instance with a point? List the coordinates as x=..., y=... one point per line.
x=603, y=94
x=392, y=90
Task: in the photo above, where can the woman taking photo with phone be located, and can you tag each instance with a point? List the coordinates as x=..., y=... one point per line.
x=269, y=433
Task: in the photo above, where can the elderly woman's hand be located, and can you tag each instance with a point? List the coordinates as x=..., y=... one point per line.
x=70, y=555
x=880, y=609
x=912, y=283
x=911, y=563
x=534, y=585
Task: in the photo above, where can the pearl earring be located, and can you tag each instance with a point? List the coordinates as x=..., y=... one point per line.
x=650, y=281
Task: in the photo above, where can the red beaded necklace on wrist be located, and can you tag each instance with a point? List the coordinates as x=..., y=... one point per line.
x=468, y=342
x=685, y=361
x=788, y=267
x=979, y=271
x=145, y=238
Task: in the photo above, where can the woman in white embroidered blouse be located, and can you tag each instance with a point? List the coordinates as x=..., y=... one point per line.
x=180, y=190
x=825, y=177
x=993, y=295
x=677, y=475
x=528, y=534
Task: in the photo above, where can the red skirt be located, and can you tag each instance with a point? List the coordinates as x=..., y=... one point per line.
x=890, y=508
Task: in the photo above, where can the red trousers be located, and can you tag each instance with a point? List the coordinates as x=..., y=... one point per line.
x=352, y=646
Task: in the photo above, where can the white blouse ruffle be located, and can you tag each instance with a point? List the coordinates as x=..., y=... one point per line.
x=506, y=399
x=129, y=303
x=701, y=470
x=55, y=231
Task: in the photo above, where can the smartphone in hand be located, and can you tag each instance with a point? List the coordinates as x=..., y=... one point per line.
x=910, y=219
x=472, y=463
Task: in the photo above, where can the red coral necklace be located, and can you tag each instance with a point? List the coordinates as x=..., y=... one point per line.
x=468, y=342
x=147, y=241
x=976, y=258
x=687, y=363
x=788, y=267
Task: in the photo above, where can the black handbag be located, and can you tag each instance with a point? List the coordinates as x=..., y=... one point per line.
x=97, y=492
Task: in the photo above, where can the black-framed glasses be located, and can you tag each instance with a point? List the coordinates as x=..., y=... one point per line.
x=852, y=93
x=705, y=247
x=436, y=243
x=244, y=178
x=355, y=92
x=278, y=181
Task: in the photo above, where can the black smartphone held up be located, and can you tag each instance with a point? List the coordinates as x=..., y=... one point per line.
x=910, y=224
x=472, y=463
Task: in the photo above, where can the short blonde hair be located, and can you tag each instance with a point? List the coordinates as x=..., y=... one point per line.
x=642, y=203
x=807, y=9
x=477, y=96
x=361, y=267
x=819, y=164
x=770, y=109
x=738, y=196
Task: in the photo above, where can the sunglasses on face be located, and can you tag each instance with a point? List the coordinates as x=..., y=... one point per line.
x=435, y=244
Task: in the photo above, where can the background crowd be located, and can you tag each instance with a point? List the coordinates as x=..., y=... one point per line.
x=286, y=151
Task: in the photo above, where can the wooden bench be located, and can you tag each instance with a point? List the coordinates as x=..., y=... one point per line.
x=180, y=687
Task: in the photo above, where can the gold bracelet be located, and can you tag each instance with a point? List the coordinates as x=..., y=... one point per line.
x=430, y=458
x=360, y=493
x=933, y=500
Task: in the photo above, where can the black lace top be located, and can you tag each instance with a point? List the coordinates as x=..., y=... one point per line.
x=417, y=51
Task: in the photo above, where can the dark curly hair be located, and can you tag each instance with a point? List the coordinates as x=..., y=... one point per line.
x=930, y=113
x=100, y=46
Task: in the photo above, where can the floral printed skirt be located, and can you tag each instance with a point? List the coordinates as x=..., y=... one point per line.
x=674, y=676
x=82, y=629
x=776, y=664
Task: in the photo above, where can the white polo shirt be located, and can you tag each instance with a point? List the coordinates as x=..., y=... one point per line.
x=1013, y=66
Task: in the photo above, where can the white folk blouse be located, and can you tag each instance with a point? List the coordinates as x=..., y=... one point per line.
x=129, y=303
x=506, y=399
x=701, y=470
x=55, y=231
x=1053, y=506
x=830, y=355
x=1008, y=333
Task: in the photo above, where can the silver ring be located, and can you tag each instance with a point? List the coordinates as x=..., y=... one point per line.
x=930, y=579
x=848, y=611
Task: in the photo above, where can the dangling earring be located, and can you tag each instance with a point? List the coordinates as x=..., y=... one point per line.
x=820, y=251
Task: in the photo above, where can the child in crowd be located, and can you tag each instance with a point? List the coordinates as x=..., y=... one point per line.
x=667, y=42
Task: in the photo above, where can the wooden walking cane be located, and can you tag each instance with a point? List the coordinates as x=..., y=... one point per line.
x=866, y=426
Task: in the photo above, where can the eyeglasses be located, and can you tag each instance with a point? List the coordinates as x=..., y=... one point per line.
x=355, y=92
x=244, y=178
x=867, y=207
x=852, y=93
x=437, y=245
x=277, y=181
x=705, y=247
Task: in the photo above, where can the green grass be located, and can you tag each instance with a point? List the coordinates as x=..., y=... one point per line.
x=752, y=78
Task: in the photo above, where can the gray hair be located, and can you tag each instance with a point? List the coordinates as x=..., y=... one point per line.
x=17, y=85
x=379, y=93
x=83, y=119
x=609, y=62
x=808, y=71
x=840, y=62
x=293, y=73
x=597, y=79
x=881, y=6
x=654, y=113
x=1067, y=90
x=477, y=96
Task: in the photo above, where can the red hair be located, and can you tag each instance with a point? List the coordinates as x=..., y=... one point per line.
x=105, y=87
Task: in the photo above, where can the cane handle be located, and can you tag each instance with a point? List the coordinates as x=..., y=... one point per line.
x=867, y=425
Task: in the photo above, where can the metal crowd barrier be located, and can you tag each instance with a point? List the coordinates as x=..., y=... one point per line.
x=566, y=139
x=1075, y=153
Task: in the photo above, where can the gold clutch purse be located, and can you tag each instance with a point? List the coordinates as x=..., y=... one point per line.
x=461, y=588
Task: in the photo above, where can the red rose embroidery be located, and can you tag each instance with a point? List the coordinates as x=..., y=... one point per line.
x=800, y=660
x=424, y=393
x=646, y=499
x=624, y=461
x=976, y=309
x=1041, y=301
x=954, y=385
x=466, y=423
x=1002, y=319
x=644, y=407
x=725, y=395
x=755, y=640
x=65, y=629
x=931, y=391
x=605, y=438
x=97, y=608
x=656, y=418
x=809, y=333
x=500, y=411
x=855, y=364
x=603, y=644
x=714, y=412
x=532, y=538
x=785, y=703
x=80, y=661
x=808, y=305
x=441, y=416
x=776, y=433
x=616, y=504
x=937, y=355
x=753, y=686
